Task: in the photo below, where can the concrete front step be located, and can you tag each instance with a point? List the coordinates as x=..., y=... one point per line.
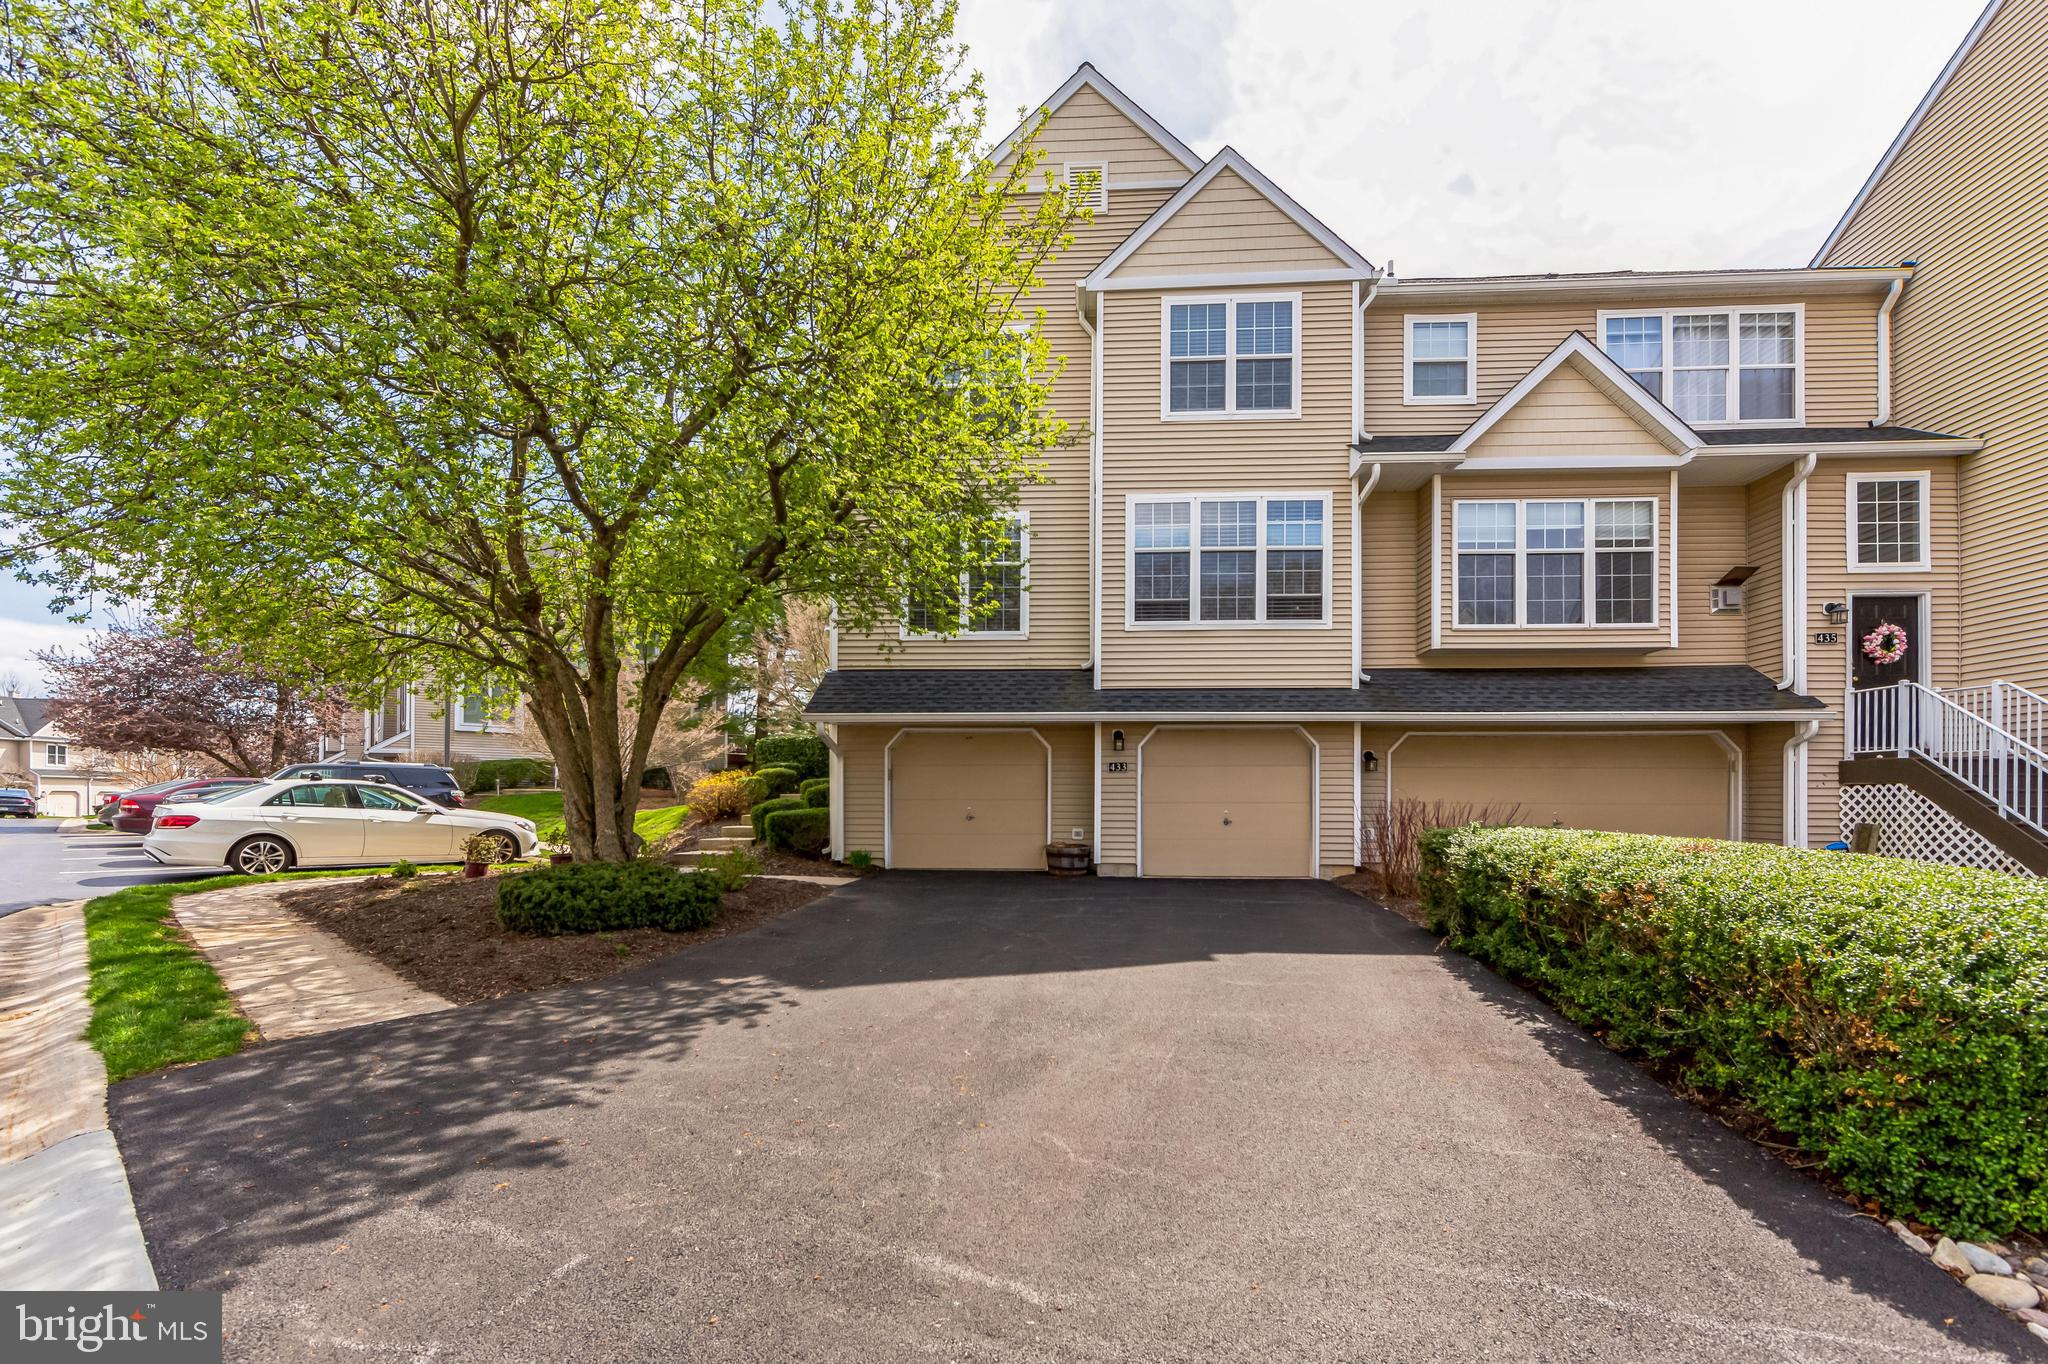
x=739, y=830
x=719, y=844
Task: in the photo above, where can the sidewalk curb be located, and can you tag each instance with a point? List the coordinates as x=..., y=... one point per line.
x=67, y=1220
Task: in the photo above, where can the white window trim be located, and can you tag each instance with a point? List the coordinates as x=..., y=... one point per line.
x=1229, y=357
x=1133, y=500
x=1522, y=553
x=56, y=754
x=1100, y=201
x=1732, y=312
x=1925, y=478
x=483, y=726
x=1023, y=630
x=1409, y=397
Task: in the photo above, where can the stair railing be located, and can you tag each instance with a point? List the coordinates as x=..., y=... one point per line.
x=1908, y=720
x=2006, y=705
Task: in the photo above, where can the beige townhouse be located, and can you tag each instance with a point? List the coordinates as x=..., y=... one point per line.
x=1606, y=548
x=425, y=723
x=38, y=755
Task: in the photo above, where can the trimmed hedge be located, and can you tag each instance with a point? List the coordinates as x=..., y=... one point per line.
x=805, y=830
x=804, y=752
x=1891, y=1017
x=510, y=772
x=781, y=780
x=817, y=792
x=593, y=897
x=758, y=816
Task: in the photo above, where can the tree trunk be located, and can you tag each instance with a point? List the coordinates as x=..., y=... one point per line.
x=582, y=727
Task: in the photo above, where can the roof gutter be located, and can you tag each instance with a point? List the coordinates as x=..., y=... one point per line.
x=1555, y=717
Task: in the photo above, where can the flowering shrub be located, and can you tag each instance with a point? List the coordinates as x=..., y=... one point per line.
x=1891, y=1017
x=720, y=795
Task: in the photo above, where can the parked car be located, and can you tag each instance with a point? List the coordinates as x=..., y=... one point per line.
x=135, y=812
x=437, y=784
x=17, y=802
x=110, y=801
x=299, y=822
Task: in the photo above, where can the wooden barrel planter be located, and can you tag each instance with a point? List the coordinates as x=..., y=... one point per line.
x=1067, y=859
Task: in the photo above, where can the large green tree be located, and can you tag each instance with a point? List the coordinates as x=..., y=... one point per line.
x=542, y=341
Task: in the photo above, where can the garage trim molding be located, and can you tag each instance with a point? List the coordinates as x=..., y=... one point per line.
x=889, y=774
x=1721, y=740
x=1315, y=789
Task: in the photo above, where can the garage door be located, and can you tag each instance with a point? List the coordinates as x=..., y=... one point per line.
x=1642, y=784
x=967, y=801
x=1226, y=802
x=60, y=802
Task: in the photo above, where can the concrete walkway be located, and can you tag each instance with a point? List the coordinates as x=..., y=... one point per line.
x=66, y=1218
x=290, y=978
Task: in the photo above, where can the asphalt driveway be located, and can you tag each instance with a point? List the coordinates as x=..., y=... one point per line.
x=1005, y=1118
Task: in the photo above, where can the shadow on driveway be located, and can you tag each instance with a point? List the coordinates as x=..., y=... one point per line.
x=1173, y=1084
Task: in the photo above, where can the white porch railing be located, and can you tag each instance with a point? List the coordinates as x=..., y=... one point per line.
x=1908, y=720
x=2007, y=706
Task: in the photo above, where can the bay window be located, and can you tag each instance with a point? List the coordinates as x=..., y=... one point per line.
x=1713, y=365
x=1555, y=562
x=1248, y=558
x=1232, y=357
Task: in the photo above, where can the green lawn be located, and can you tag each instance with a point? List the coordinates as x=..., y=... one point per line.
x=155, y=999
x=545, y=808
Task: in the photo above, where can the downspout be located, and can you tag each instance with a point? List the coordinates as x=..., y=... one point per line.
x=1357, y=568
x=1884, y=354
x=1359, y=435
x=1094, y=331
x=836, y=770
x=1795, y=782
x=1792, y=577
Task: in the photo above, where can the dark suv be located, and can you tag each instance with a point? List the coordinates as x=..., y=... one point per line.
x=437, y=784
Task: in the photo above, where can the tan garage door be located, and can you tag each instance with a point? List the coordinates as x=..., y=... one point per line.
x=1640, y=784
x=1226, y=802
x=967, y=801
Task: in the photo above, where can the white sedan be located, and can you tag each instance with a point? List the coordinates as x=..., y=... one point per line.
x=310, y=823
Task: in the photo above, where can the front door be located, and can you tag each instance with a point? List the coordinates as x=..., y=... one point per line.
x=1876, y=623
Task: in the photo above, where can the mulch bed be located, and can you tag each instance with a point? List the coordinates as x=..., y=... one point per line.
x=442, y=932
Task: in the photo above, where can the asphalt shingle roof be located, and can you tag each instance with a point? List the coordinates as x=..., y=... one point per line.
x=1391, y=691
x=22, y=715
x=1746, y=435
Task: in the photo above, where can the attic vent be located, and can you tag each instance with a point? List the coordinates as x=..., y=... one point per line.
x=1088, y=181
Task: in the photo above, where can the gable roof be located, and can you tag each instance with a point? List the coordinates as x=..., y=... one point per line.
x=1087, y=76
x=1609, y=377
x=1230, y=159
x=1891, y=153
x=22, y=716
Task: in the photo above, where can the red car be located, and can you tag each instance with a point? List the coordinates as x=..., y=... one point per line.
x=135, y=812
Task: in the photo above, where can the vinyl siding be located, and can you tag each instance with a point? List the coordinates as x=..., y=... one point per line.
x=865, y=791
x=1227, y=227
x=1057, y=576
x=1089, y=128
x=1764, y=594
x=1840, y=356
x=1970, y=333
x=1567, y=415
x=1144, y=454
x=1828, y=579
x=1763, y=786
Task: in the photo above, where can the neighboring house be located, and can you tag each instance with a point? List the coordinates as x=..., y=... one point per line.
x=426, y=724
x=67, y=779
x=1602, y=546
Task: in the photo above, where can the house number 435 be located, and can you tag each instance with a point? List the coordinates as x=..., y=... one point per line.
x=1827, y=637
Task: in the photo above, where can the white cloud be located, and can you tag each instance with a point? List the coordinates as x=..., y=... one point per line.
x=1506, y=135
x=21, y=639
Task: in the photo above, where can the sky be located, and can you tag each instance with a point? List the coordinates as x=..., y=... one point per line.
x=1476, y=136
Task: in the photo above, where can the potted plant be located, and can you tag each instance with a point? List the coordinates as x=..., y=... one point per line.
x=555, y=838
x=1067, y=859
x=477, y=852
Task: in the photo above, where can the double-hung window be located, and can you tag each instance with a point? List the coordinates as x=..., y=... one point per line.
x=56, y=755
x=1712, y=365
x=1232, y=357
x=482, y=709
x=1555, y=562
x=1439, y=358
x=986, y=600
x=1252, y=558
x=1888, y=522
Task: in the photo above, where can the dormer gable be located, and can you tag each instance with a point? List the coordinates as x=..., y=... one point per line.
x=1229, y=223
x=1090, y=127
x=1576, y=402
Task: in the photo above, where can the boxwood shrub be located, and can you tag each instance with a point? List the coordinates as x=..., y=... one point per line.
x=758, y=816
x=804, y=752
x=493, y=772
x=1890, y=1017
x=780, y=780
x=817, y=791
x=592, y=897
x=806, y=830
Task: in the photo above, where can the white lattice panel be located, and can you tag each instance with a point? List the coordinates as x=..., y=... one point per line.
x=1911, y=825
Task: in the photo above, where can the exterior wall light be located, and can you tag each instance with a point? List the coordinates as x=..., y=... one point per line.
x=1116, y=740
